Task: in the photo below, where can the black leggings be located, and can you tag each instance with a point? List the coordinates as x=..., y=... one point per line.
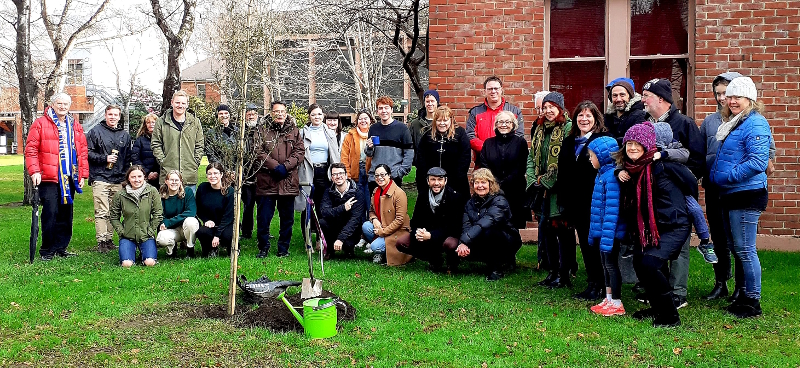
x=654, y=275
x=560, y=240
x=206, y=234
x=611, y=271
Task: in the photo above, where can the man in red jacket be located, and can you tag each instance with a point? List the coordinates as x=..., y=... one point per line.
x=480, y=123
x=57, y=160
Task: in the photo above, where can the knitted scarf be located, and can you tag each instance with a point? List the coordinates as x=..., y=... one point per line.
x=376, y=200
x=67, y=156
x=641, y=174
x=362, y=143
x=553, y=142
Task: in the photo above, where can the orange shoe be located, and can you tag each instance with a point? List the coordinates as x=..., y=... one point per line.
x=612, y=310
x=599, y=307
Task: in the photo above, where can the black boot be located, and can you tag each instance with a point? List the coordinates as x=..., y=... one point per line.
x=666, y=313
x=560, y=281
x=719, y=291
x=550, y=277
x=190, y=252
x=592, y=292
x=745, y=307
x=736, y=293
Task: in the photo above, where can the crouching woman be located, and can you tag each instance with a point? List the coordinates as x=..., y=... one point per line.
x=136, y=213
x=179, y=224
x=488, y=234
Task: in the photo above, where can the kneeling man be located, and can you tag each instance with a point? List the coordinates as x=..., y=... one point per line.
x=341, y=213
x=436, y=224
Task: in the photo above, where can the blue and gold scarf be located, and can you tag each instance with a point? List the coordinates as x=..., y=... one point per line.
x=67, y=157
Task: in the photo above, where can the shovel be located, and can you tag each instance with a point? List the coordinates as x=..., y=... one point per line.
x=311, y=287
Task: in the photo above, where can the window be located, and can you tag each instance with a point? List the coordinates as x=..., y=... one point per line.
x=594, y=41
x=201, y=91
x=75, y=71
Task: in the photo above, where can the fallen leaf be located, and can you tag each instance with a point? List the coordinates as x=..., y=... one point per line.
x=134, y=351
x=727, y=327
x=484, y=365
x=677, y=351
x=184, y=280
x=76, y=280
x=548, y=350
x=14, y=304
x=358, y=274
x=580, y=334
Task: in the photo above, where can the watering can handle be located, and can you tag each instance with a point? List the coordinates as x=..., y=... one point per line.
x=326, y=305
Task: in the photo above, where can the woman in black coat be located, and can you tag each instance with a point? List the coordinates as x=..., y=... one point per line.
x=487, y=234
x=142, y=154
x=506, y=156
x=576, y=184
x=444, y=145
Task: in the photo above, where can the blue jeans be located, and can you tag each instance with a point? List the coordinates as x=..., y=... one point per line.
x=266, y=210
x=379, y=244
x=363, y=187
x=698, y=219
x=742, y=226
x=127, y=249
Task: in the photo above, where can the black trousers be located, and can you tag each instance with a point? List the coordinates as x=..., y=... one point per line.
x=495, y=248
x=56, y=219
x=332, y=227
x=206, y=235
x=249, y=203
x=653, y=273
x=591, y=255
x=430, y=250
x=714, y=213
x=559, y=238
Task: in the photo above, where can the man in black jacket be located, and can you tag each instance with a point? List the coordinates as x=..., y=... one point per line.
x=109, y=147
x=657, y=98
x=436, y=224
x=341, y=214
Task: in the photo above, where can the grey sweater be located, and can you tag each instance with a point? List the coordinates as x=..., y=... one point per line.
x=396, y=149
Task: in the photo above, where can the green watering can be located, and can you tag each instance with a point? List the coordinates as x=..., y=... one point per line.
x=319, y=316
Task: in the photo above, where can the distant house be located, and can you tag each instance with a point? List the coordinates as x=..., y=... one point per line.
x=201, y=80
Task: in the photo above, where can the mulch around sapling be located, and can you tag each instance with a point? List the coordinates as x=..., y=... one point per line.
x=272, y=314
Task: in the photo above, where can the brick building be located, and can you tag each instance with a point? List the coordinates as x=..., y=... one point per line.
x=200, y=80
x=577, y=46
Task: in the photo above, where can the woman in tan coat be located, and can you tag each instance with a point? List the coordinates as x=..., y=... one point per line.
x=388, y=219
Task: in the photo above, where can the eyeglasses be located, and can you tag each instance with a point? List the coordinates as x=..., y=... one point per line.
x=383, y=175
x=337, y=174
x=504, y=122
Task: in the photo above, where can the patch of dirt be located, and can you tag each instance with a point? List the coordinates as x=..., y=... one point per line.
x=272, y=314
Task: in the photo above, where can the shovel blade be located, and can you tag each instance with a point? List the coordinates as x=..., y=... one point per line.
x=310, y=289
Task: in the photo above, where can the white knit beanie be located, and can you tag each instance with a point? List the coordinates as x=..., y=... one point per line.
x=742, y=87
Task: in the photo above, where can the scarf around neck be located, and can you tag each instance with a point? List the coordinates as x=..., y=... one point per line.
x=727, y=126
x=435, y=199
x=67, y=156
x=544, y=165
x=641, y=174
x=135, y=193
x=376, y=200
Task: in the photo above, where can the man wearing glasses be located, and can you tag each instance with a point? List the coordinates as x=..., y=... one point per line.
x=280, y=150
x=480, y=123
x=341, y=213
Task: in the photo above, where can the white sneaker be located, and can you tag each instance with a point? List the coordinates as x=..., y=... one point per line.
x=377, y=258
x=368, y=249
x=361, y=243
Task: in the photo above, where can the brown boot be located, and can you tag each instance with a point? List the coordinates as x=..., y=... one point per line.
x=101, y=246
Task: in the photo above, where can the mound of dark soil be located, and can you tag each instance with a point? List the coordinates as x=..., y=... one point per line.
x=273, y=314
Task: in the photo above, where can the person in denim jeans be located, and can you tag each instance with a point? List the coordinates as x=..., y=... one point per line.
x=740, y=172
x=388, y=219
x=136, y=213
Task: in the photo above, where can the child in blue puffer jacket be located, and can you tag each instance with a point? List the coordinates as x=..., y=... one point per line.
x=606, y=227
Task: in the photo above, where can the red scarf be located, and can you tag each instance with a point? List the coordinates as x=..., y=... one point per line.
x=640, y=171
x=376, y=199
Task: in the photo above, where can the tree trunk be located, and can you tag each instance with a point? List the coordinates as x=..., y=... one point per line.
x=172, y=82
x=28, y=89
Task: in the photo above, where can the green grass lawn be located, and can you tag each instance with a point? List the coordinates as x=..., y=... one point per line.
x=88, y=311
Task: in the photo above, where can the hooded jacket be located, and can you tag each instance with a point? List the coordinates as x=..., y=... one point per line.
x=605, y=223
x=41, y=149
x=279, y=144
x=708, y=130
x=742, y=157
x=176, y=149
x=332, y=210
x=633, y=114
x=136, y=220
x=101, y=141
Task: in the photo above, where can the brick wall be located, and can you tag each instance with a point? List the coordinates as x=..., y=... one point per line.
x=212, y=92
x=471, y=40
x=760, y=39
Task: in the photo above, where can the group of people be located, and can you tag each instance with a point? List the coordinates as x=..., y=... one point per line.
x=625, y=181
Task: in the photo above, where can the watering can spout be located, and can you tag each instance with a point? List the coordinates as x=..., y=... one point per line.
x=291, y=309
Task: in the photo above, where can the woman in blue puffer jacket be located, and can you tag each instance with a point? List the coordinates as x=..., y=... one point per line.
x=740, y=173
x=606, y=227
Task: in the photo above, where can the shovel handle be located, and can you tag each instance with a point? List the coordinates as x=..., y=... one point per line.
x=326, y=305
